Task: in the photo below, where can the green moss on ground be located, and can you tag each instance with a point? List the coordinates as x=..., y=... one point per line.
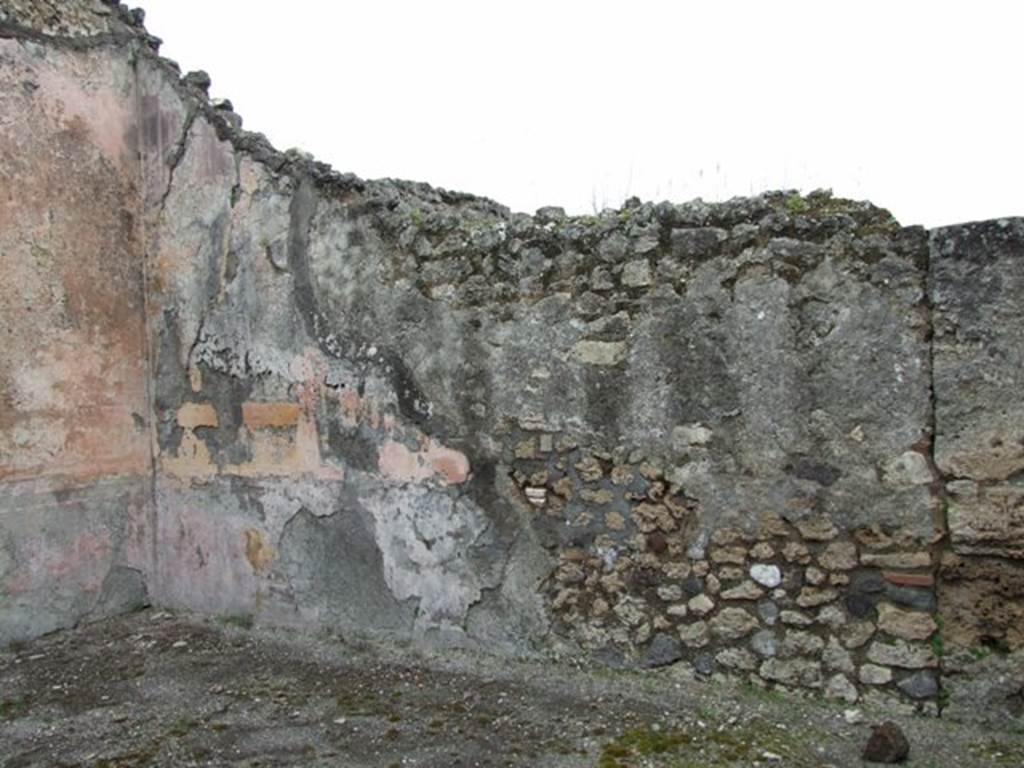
x=998, y=752
x=709, y=747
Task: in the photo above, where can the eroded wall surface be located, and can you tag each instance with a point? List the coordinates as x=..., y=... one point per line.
x=978, y=292
x=664, y=432
x=777, y=438
x=75, y=464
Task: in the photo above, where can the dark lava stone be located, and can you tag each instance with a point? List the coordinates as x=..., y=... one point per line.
x=887, y=744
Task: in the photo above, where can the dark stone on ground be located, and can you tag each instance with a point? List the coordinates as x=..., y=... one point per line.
x=887, y=744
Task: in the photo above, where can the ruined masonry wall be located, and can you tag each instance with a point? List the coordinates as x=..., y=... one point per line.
x=777, y=438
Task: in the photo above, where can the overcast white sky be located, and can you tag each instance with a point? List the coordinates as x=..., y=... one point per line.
x=915, y=105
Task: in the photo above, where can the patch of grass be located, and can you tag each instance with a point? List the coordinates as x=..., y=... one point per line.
x=365, y=705
x=992, y=645
x=821, y=203
x=240, y=620
x=11, y=709
x=938, y=645
x=126, y=758
x=641, y=743
x=796, y=204
x=998, y=753
x=729, y=745
x=762, y=693
x=182, y=726
x=476, y=224
x=979, y=652
x=704, y=712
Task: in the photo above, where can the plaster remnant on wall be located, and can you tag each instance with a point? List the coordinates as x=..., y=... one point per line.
x=270, y=415
x=428, y=540
x=192, y=415
x=257, y=552
x=431, y=461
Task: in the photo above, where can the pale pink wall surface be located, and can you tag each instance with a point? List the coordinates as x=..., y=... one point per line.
x=75, y=466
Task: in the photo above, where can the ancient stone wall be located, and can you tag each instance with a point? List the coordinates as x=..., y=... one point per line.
x=778, y=438
x=977, y=290
x=75, y=469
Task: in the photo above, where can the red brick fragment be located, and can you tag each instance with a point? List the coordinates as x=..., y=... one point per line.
x=909, y=579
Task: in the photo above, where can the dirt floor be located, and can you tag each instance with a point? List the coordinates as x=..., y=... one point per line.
x=173, y=690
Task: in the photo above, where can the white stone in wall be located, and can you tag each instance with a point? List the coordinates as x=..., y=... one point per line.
x=537, y=496
x=688, y=435
x=909, y=468
x=766, y=575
